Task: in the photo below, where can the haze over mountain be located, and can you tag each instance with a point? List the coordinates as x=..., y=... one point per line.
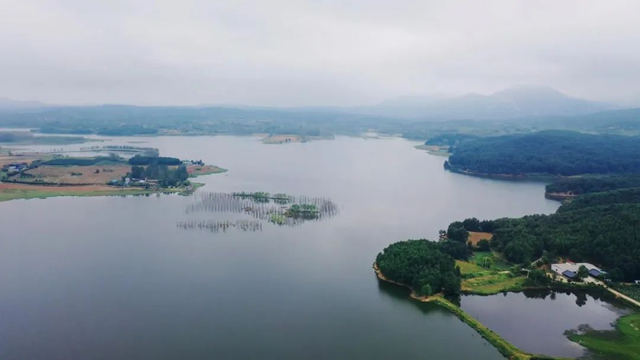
x=6, y=103
x=514, y=102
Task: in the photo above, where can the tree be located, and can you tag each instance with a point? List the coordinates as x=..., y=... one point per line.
x=538, y=277
x=426, y=290
x=484, y=245
x=181, y=173
x=457, y=232
x=471, y=224
x=137, y=172
x=583, y=273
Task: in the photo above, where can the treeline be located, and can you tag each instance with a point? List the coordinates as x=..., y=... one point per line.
x=165, y=175
x=550, y=153
x=602, y=228
x=139, y=160
x=426, y=266
x=450, y=139
x=586, y=185
x=459, y=230
x=70, y=161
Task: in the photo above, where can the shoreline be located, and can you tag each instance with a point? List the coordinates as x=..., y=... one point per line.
x=505, y=348
x=559, y=196
x=9, y=191
x=515, y=177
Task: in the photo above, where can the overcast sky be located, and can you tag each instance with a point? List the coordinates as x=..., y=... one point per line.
x=291, y=53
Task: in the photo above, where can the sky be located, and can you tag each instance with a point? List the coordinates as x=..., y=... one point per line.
x=313, y=53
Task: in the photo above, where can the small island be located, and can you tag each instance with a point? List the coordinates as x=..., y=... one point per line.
x=37, y=175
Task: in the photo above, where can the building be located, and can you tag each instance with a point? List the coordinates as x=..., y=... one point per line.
x=570, y=269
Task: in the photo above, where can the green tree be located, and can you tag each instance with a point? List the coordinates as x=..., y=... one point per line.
x=484, y=245
x=426, y=290
x=137, y=172
x=583, y=273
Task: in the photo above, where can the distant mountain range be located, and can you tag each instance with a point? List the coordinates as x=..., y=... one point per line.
x=511, y=103
x=6, y=103
x=514, y=102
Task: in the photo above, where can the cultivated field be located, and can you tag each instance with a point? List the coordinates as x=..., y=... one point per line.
x=282, y=139
x=75, y=174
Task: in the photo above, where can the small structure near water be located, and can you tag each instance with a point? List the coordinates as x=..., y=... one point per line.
x=570, y=269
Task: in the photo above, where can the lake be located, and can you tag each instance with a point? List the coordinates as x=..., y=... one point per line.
x=115, y=277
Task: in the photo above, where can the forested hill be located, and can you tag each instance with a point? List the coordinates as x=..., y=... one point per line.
x=587, y=185
x=602, y=228
x=427, y=267
x=549, y=153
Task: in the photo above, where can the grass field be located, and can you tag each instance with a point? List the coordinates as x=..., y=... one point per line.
x=21, y=191
x=621, y=343
x=196, y=170
x=70, y=174
x=493, y=283
x=478, y=279
x=282, y=139
x=468, y=267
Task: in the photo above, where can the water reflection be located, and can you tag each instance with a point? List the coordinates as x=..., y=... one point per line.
x=537, y=320
x=221, y=225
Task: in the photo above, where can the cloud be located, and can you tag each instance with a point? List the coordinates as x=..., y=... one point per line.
x=289, y=53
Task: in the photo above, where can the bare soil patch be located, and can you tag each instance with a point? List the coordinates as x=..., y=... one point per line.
x=474, y=237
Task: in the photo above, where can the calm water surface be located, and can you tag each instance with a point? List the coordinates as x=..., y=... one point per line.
x=536, y=321
x=115, y=278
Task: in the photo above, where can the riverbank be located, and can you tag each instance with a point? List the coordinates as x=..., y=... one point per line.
x=525, y=177
x=559, y=196
x=435, y=150
x=503, y=346
x=10, y=191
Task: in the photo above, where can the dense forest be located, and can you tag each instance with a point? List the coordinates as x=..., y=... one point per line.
x=602, y=228
x=587, y=184
x=549, y=153
x=166, y=176
x=426, y=266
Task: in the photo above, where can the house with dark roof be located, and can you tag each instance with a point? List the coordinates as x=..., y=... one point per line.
x=569, y=274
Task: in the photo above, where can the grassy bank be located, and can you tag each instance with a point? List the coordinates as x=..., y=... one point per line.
x=14, y=192
x=8, y=194
x=502, y=345
x=435, y=150
x=486, y=273
x=621, y=343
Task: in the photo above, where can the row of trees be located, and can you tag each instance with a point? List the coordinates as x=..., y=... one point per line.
x=165, y=175
x=548, y=152
x=427, y=267
x=459, y=230
x=148, y=160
